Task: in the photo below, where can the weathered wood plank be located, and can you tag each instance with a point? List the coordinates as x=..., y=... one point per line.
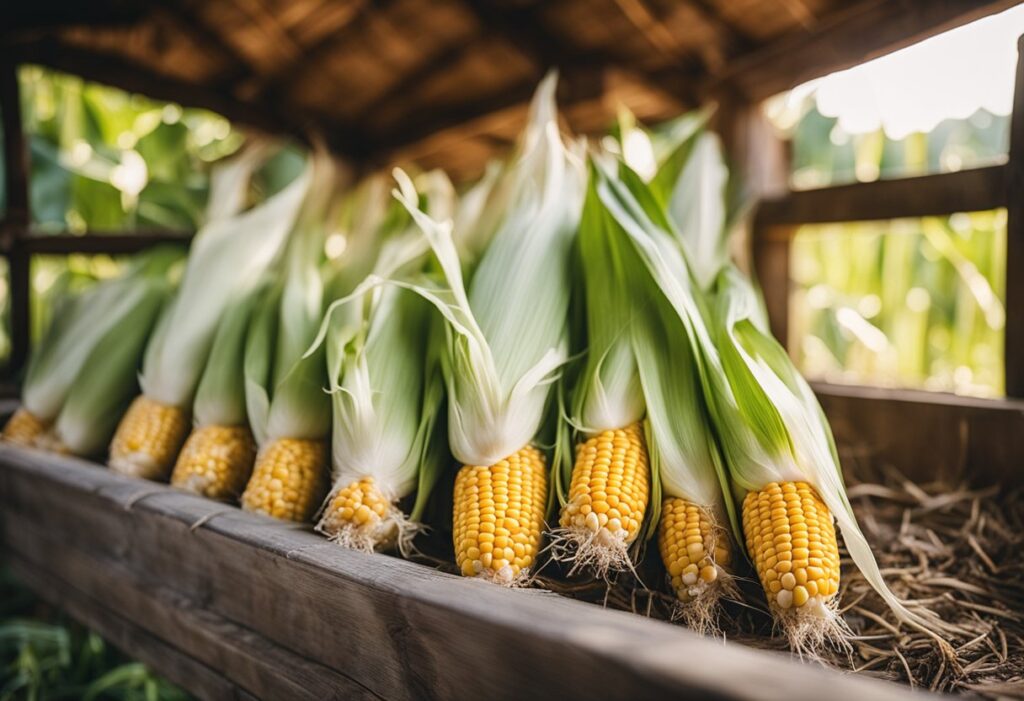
x=123, y=633
x=396, y=629
x=929, y=435
x=235, y=652
x=971, y=190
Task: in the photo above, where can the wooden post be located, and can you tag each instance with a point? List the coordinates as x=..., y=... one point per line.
x=16, y=221
x=1014, y=348
x=761, y=159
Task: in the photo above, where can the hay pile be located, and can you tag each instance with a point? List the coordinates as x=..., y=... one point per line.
x=960, y=551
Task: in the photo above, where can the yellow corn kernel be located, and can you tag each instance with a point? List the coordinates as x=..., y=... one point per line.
x=360, y=515
x=499, y=516
x=216, y=461
x=692, y=547
x=148, y=439
x=24, y=428
x=289, y=479
x=791, y=538
x=611, y=479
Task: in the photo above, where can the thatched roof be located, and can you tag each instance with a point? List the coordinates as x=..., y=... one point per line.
x=445, y=81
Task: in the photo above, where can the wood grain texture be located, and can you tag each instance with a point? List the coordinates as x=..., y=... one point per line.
x=278, y=612
x=928, y=435
x=971, y=190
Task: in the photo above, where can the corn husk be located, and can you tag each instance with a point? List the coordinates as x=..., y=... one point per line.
x=284, y=387
x=684, y=452
x=106, y=380
x=507, y=335
x=229, y=256
x=386, y=387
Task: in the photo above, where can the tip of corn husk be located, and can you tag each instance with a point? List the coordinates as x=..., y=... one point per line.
x=600, y=552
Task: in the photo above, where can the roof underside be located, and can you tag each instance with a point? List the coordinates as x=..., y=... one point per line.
x=445, y=82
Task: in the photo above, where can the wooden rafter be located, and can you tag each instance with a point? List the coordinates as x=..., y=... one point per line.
x=272, y=82
x=846, y=37
x=179, y=12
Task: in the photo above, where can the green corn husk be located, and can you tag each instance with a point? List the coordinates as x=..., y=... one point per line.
x=506, y=338
x=686, y=462
x=607, y=395
x=107, y=378
x=283, y=385
x=768, y=421
x=385, y=395
x=79, y=324
x=229, y=255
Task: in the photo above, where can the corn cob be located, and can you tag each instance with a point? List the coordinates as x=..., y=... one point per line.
x=791, y=539
x=216, y=461
x=24, y=428
x=148, y=439
x=499, y=516
x=289, y=479
x=694, y=548
x=360, y=515
x=607, y=496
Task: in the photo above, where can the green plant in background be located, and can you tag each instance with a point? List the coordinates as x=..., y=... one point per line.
x=106, y=160
x=45, y=656
x=910, y=302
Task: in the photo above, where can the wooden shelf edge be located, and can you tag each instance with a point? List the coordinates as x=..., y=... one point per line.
x=271, y=606
x=929, y=435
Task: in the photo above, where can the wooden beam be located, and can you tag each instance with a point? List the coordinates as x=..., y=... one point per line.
x=845, y=38
x=928, y=436
x=523, y=26
x=15, y=151
x=762, y=161
x=270, y=84
x=266, y=604
x=18, y=214
x=971, y=190
x=1013, y=352
x=437, y=64
x=96, y=242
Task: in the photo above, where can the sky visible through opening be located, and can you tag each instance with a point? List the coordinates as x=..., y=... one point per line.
x=950, y=76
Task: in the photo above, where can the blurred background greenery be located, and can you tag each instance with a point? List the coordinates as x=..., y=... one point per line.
x=44, y=655
x=907, y=303
x=109, y=161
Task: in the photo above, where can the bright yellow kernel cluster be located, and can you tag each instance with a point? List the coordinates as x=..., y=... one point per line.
x=289, y=479
x=499, y=515
x=609, y=485
x=792, y=540
x=24, y=428
x=360, y=505
x=148, y=439
x=216, y=461
x=692, y=547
